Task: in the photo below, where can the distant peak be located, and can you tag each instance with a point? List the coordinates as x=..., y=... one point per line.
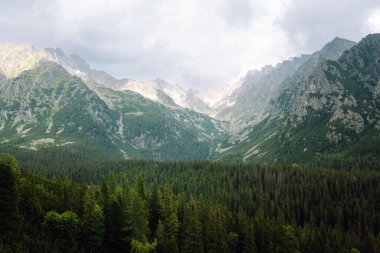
x=373, y=37
x=368, y=47
x=16, y=58
x=73, y=62
x=340, y=41
x=337, y=39
x=252, y=72
x=160, y=81
x=335, y=48
x=55, y=50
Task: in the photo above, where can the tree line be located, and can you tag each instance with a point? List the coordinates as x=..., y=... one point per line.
x=148, y=206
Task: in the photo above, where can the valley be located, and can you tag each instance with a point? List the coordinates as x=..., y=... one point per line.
x=286, y=159
x=52, y=99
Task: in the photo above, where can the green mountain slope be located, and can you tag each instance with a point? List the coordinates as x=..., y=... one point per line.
x=46, y=106
x=315, y=107
x=333, y=112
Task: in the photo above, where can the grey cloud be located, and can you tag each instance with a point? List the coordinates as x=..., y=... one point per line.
x=238, y=12
x=197, y=44
x=311, y=23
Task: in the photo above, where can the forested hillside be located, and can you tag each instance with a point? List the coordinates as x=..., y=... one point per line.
x=142, y=206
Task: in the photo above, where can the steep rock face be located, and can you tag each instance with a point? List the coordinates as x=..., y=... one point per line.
x=335, y=110
x=263, y=91
x=248, y=104
x=344, y=92
x=290, y=88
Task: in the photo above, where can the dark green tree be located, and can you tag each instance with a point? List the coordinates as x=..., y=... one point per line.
x=96, y=228
x=111, y=182
x=154, y=209
x=290, y=242
x=247, y=242
x=140, y=187
x=115, y=227
x=143, y=247
x=137, y=218
x=192, y=229
x=63, y=228
x=10, y=221
x=168, y=227
x=216, y=229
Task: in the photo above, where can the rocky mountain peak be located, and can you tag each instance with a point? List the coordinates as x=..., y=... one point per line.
x=14, y=58
x=334, y=49
x=72, y=62
x=365, y=55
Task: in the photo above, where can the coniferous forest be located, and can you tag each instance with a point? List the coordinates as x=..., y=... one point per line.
x=184, y=126
x=151, y=206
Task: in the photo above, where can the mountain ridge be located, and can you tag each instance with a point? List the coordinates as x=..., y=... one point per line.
x=157, y=90
x=46, y=106
x=319, y=106
x=327, y=116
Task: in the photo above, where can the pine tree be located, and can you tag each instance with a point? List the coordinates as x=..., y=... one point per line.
x=124, y=184
x=192, y=229
x=137, y=218
x=89, y=203
x=63, y=229
x=290, y=242
x=167, y=229
x=154, y=209
x=143, y=247
x=262, y=236
x=30, y=203
x=115, y=224
x=95, y=228
x=246, y=233
x=216, y=229
x=140, y=187
x=111, y=181
x=105, y=195
x=10, y=221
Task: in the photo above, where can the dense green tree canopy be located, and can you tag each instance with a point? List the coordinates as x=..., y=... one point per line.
x=145, y=206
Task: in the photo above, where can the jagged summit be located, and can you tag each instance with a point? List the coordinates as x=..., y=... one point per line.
x=72, y=61
x=48, y=107
x=14, y=58
x=323, y=103
x=329, y=107
x=157, y=90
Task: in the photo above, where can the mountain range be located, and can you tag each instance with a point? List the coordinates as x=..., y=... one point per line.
x=310, y=107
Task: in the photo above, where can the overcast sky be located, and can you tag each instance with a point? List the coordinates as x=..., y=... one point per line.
x=195, y=43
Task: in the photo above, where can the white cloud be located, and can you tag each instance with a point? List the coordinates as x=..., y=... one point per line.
x=311, y=23
x=374, y=21
x=192, y=42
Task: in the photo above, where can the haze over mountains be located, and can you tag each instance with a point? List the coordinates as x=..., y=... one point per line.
x=158, y=90
x=323, y=104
